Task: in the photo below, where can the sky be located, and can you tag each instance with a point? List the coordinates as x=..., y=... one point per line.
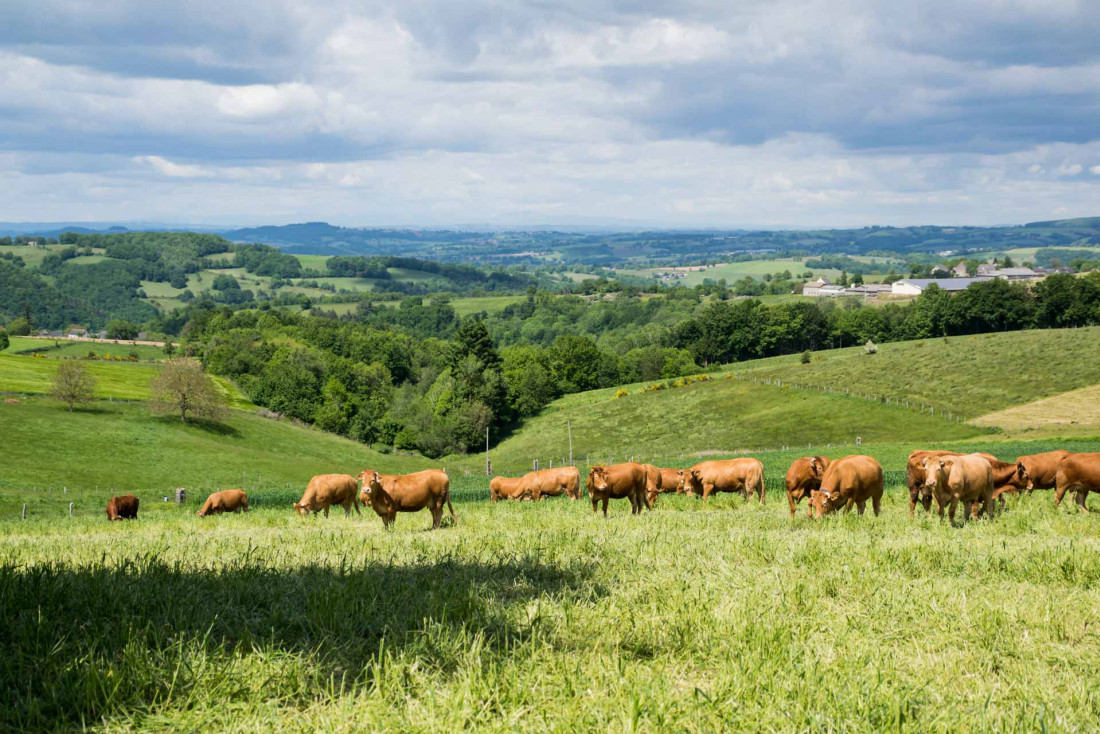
x=677, y=113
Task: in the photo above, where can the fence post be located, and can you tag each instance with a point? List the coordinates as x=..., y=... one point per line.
x=24, y=511
x=70, y=510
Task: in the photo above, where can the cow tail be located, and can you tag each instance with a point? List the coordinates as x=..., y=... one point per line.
x=447, y=497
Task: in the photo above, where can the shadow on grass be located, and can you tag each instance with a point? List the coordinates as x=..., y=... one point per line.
x=79, y=644
x=215, y=428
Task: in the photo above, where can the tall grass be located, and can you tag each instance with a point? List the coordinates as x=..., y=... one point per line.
x=524, y=617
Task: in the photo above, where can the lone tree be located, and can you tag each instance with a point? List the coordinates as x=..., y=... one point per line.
x=182, y=387
x=4, y=341
x=73, y=384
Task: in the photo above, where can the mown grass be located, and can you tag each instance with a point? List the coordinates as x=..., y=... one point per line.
x=971, y=375
x=523, y=617
x=66, y=349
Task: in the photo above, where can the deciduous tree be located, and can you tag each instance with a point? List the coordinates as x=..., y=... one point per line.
x=182, y=387
x=73, y=384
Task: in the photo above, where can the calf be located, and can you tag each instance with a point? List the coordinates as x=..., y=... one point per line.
x=500, y=488
x=123, y=507
x=915, y=477
x=1041, y=470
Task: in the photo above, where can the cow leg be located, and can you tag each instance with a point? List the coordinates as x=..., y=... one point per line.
x=876, y=503
x=861, y=506
x=951, y=512
x=912, y=504
x=595, y=505
x=605, y=499
x=1082, y=494
x=1059, y=493
x=790, y=501
x=326, y=510
x=437, y=515
x=989, y=507
x=848, y=505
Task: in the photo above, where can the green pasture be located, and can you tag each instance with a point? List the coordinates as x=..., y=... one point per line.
x=717, y=616
x=115, y=380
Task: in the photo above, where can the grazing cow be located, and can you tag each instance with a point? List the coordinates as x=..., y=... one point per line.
x=847, y=481
x=966, y=479
x=1079, y=472
x=616, y=482
x=556, y=482
x=731, y=475
x=803, y=477
x=123, y=507
x=500, y=488
x=327, y=490
x=1042, y=469
x=228, y=500
x=652, y=485
x=430, y=488
x=915, y=477
x=668, y=480
x=1008, y=478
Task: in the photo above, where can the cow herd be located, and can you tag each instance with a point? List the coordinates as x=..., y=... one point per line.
x=976, y=481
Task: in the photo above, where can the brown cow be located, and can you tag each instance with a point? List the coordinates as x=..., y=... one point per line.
x=967, y=479
x=668, y=480
x=556, y=482
x=847, y=481
x=430, y=488
x=228, y=500
x=915, y=477
x=616, y=482
x=1008, y=478
x=1079, y=472
x=326, y=490
x=803, y=477
x=652, y=485
x=730, y=475
x=506, y=488
x=1042, y=469
x=123, y=507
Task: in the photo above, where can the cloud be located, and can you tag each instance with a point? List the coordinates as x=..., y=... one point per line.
x=790, y=111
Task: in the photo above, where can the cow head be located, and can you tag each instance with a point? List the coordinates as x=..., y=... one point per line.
x=599, y=479
x=302, y=508
x=200, y=514
x=1023, y=479
x=824, y=501
x=375, y=485
x=689, y=482
x=936, y=471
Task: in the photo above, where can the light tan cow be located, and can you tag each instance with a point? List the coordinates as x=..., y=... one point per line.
x=915, y=476
x=1081, y=473
x=327, y=490
x=966, y=479
x=728, y=475
x=430, y=488
x=617, y=481
x=849, y=481
x=803, y=477
x=1042, y=469
x=227, y=500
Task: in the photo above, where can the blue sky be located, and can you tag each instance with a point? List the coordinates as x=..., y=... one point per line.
x=687, y=113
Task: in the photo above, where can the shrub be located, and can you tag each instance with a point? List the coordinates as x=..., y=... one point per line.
x=870, y=347
x=621, y=393
x=806, y=357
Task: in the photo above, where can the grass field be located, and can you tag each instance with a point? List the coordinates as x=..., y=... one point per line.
x=122, y=445
x=717, y=617
x=19, y=343
x=66, y=349
x=122, y=380
x=971, y=375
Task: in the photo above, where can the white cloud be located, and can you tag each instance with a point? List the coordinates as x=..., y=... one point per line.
x=172, y=170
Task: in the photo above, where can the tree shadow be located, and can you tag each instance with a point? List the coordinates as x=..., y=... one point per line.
x=65, y=627
x=215, y=428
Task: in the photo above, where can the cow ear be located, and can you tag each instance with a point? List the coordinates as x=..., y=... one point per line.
x=943, y=463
